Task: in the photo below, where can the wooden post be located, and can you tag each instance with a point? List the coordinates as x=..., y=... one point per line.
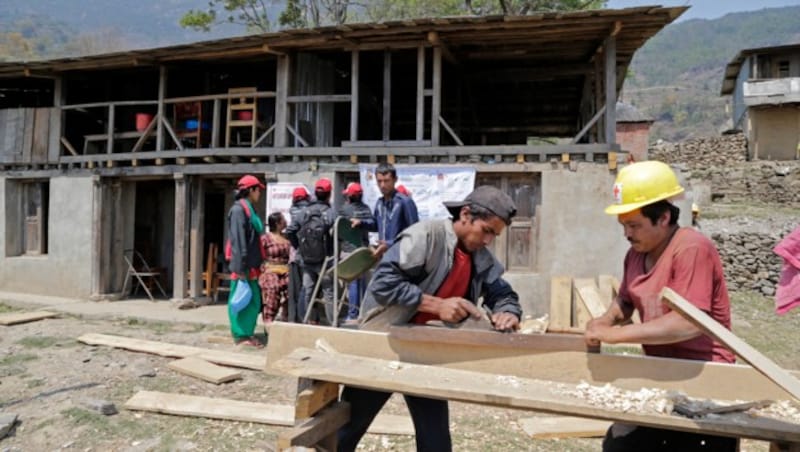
x=97, y=232
x=436, y=101
x=196, y=238
x=611, y=89
x=387, y=94
x=162, y=90
x=110, y=139
x=215, y=124
x=281, y=93
x=599, y=135
x=420, y=93
x=354, y=71
x=179, y=256
x=56, y=121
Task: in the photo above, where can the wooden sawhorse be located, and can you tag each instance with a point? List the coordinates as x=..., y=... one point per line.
x=318, y=416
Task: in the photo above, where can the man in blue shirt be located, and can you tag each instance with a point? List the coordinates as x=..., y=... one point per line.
x=394, y=211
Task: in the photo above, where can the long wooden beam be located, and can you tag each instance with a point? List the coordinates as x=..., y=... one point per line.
x=695, y=378
x=509, y=392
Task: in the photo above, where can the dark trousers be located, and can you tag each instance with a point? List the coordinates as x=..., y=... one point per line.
x=431, y=419
x=655, y=439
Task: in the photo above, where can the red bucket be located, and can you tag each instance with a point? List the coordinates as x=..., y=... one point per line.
x=244, y=115
x=142, y=121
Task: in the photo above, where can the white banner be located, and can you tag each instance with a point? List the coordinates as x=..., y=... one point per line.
x=429, y=186
x=279, y=198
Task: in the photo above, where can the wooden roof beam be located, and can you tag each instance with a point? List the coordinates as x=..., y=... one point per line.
x=436, y=41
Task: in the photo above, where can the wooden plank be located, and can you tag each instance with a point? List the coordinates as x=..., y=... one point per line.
x=312, y=431
x=588, y=294
x=56, y=121
x=235, y=410
x=15, y=318
x=696, y=378
x=204, y=370
x=223, y=357
x=559, y=427
x=110, y=130
x=41, y=135
x=580, y=313
x=561, y=301
x=27, y=133
x=507, y=392
x=68, y=146
x=450, y=131
x=313, y=399
x=162, y=89
x=477, y=338
x=196, y=232
x=714, y=329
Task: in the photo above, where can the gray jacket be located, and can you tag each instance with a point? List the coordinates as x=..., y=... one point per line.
x=418, y=263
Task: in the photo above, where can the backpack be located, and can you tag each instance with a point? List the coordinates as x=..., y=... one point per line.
x=313, y=235
x=228, y=247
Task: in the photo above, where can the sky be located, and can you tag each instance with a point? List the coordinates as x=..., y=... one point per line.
x=707, y=9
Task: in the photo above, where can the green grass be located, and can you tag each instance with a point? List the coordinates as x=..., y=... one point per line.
x=6, y=308
x=17, y=358
x=773, y=335
x=46, y=342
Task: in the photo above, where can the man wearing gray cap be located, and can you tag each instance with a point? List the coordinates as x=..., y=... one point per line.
x=436, y=270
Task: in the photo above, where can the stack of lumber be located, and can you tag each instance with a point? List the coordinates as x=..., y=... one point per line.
x=575, y=301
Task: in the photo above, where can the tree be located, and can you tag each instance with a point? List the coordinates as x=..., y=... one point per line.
x=250, y=13
x=315, y=13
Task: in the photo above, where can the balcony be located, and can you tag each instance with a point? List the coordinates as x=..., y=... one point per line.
x=772, y=92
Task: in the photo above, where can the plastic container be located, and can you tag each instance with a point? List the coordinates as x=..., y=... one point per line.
x=143, y=120
x=191, y=124
x=244, y=115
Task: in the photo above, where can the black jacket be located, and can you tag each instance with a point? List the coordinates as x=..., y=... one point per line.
x=245, y=241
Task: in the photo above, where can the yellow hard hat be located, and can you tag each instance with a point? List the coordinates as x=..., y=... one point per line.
x=643, y=183
x=695, y=207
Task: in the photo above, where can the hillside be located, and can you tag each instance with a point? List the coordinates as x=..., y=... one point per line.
x=676, y=76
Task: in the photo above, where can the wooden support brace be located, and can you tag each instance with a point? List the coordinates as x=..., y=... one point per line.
x=311, y=400
x=317, y=429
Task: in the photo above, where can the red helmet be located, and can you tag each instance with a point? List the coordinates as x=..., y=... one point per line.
x=299, y=193
x=249, y=181
x=402, y=189
x=323, y=185
x=353, y=189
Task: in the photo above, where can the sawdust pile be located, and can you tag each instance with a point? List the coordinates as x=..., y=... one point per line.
x=645, y=400
x=784, y=410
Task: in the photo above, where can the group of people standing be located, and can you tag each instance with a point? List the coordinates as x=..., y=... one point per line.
x=439, y=270
x=283, y=263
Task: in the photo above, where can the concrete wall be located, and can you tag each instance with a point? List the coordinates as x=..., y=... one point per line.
x=633, y=138
x=66, y=268
x=775, y=133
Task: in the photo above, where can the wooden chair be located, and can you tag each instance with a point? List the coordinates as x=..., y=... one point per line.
x=246, y=104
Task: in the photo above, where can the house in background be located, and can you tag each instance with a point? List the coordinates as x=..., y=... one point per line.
x=141, y=149
x=764, y=85
x=633, y=131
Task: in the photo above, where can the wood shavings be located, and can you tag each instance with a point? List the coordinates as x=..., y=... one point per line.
x=394, y=365
x=783, y=410
x=534, y=325
x=645, y=400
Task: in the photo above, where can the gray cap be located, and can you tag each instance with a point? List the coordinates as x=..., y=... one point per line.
x=490, y=198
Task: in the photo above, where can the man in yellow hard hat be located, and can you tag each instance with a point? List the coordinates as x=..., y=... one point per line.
x=662, y=254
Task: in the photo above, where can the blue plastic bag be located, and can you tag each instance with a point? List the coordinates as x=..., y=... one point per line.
x=241, y=296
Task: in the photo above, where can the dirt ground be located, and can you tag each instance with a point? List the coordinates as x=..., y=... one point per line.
x=46, y=376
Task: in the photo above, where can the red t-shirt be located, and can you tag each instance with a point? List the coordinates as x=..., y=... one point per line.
x=690, y=265
x=455, y=285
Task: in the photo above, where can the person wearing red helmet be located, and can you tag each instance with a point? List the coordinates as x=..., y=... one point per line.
x=361, y=218
x=244, y=231
x=300, y=200
x=310, y=236
x=403, y=190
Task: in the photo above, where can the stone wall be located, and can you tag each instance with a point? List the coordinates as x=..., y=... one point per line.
x=719, y=163
x=745, y=247
x=700, y=153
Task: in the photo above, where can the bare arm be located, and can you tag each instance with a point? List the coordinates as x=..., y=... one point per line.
x=667, y=329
